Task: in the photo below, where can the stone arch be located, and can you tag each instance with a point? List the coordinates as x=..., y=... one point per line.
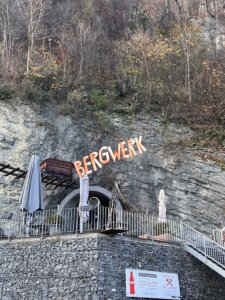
x=93, y=189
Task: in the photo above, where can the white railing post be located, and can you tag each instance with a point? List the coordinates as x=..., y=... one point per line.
x=152, y=227
x=204, y=240
x=98, y=216
x=9, y=237
x=77, y=215
x=147, y=223
x=182, y=232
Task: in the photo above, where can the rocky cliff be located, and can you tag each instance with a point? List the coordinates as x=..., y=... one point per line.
x=194, y=185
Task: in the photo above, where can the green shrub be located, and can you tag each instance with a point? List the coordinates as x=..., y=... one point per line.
x=99, y=100
x=123, y=109
x=102, y=121
x=44, y=77
x=77, y=96
x=44, y=83
x=6, y=92
x=33, y=93
x=116, y=89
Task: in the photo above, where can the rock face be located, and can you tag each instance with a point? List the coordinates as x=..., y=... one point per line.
x=194, y=187
x=212, y=31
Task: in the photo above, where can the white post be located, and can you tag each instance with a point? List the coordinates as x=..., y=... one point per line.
x=147, y=222
x=205, y=249
x=181, y=232
x=81, y=219
x=9, y=236
x=77, y=216
x=57, y=220
x=27, y=224
x=81, y=224
x=98, y=213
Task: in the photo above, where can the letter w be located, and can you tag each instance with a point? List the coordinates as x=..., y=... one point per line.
x=116, y=154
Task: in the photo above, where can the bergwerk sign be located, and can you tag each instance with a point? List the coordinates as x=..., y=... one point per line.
x=149, y=284
x=95, y=160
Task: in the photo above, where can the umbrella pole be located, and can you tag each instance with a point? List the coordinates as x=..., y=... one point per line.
x=81, y=224
x=27, y=229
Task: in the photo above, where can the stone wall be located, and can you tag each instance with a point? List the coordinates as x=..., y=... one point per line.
x=92, y=267
x=49, y=269
x=197, y=282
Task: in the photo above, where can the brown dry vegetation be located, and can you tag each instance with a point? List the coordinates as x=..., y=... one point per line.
x=128, y=56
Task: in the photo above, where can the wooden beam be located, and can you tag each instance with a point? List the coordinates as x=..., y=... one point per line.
x=60, y=183
x=69, y=185
x=13, y=171
x=51, y=181
x=21, y=175
x=4, y=167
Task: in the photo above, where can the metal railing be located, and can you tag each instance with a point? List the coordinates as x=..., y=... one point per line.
x=110, y=220
x=91, y=219
x=204, y=245
x=218, y=236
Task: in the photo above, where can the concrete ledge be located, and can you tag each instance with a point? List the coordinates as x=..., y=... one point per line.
x=165, y=243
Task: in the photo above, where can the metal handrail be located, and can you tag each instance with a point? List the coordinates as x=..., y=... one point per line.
x=92, y=218
x=204, y=245
x=219, y=236
x=103, y=219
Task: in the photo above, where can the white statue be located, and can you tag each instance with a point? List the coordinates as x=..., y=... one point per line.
x=162, y=206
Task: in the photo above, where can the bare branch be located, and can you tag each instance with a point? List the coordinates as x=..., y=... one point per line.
x=208, y=10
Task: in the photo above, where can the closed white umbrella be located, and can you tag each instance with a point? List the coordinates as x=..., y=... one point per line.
x=84, y=194
x=162, y=206
x=31, y=198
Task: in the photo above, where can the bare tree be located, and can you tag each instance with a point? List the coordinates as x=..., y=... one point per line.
x=34, y=17
x=5, y=28
x=182, y=15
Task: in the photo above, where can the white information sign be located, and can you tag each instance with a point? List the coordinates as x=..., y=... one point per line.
x=149, y=284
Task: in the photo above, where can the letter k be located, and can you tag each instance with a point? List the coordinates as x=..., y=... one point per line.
x=140, y=147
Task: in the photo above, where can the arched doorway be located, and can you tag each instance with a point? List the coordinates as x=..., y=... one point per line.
x=97, y=217
x=72, y=200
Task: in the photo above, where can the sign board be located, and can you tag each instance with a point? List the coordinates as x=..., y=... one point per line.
x=149, y=284
x=95, y=160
